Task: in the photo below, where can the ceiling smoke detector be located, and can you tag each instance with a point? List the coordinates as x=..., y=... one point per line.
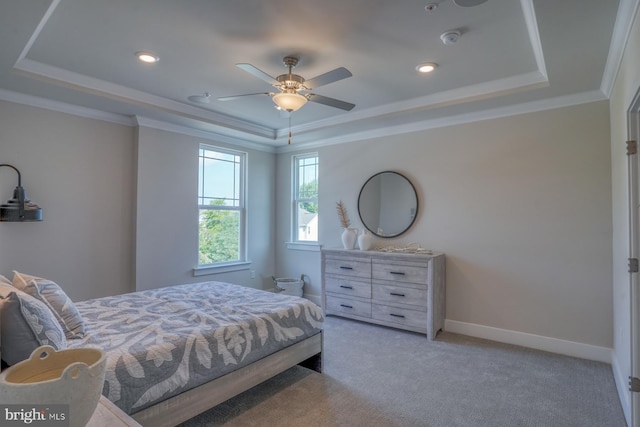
x=450, y=37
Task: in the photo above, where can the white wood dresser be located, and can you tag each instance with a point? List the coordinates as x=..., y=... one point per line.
x=401, y=290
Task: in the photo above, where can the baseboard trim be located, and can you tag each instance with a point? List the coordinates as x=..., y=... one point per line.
x=621, y=384
x=553, y=345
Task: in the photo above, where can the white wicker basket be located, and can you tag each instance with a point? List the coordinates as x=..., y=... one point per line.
x=290, y=286
x=73, y=377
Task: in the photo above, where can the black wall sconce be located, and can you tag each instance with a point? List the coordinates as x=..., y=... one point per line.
x=19, y=208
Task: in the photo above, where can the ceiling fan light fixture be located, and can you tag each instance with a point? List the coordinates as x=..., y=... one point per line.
x=289, y=101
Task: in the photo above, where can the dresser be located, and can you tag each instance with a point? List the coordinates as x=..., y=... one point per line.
x=400, y=290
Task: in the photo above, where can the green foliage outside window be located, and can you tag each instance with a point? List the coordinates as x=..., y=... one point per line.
x=219, y=231
x=309, y=190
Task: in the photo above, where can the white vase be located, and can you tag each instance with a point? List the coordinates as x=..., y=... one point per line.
x=365, y=240
x=349, y=237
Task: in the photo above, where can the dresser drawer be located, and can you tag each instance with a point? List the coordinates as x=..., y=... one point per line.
x=348, y=306
x=348, y=267
x=402, y=316
x=404, y=295
x=346, y=286
x=399, y=272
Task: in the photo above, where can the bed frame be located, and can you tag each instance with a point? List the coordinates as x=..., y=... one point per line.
x=184, y=406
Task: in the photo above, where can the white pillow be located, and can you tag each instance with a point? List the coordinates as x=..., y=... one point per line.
x=56, y=299
x=4, y=280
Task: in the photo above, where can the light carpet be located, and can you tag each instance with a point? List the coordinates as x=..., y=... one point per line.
x=378, y=376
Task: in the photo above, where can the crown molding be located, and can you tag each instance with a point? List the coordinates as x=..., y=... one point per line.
x=499, y=87
x=63, y=107
x=627, y=11
x=212, y=136
x=534, y=35
x=495, y=113
x=136, y=97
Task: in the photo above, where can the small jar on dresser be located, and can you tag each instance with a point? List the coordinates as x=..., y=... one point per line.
x=400, y=290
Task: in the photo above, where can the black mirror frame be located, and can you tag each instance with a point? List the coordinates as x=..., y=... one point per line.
x=374, y=232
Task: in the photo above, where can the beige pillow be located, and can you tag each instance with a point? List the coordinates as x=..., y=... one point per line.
x=56, y=299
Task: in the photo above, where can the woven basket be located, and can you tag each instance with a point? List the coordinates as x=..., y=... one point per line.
x=73, y=377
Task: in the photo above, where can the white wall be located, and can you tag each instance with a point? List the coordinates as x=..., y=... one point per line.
x=167, y=212
x=520, y=205
x=626, y=86
x=81, y=173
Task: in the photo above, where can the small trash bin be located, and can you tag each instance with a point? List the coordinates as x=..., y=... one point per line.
x=289, y=285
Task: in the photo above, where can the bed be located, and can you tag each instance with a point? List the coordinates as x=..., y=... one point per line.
x=175, y=352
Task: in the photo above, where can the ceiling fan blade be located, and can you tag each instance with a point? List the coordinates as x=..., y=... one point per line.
x=328, y=77
x=331, y=102
x=231, y=98
x=258, y=73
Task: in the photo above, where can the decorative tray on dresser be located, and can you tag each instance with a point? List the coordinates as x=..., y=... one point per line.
x=401, y=290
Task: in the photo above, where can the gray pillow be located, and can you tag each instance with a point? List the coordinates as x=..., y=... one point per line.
x=56, y=299
x=26, y=324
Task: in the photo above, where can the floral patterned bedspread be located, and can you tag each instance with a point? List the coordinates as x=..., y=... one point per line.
x=164, y=341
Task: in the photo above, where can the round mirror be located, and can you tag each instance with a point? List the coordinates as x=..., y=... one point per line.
x=388, y=204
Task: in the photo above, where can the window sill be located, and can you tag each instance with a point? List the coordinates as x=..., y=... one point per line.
x=299, y=246
x=221, y=268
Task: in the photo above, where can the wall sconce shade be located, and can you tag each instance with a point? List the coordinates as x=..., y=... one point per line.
x=19, y=208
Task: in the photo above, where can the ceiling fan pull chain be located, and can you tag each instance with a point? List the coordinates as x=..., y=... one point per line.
x=289, y=143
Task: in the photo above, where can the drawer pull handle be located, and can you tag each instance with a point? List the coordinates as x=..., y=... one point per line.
x=346, y=287
x=396, y=315
x=343, y=267
x=397, y=294
x=346, y=306
x=399, y=273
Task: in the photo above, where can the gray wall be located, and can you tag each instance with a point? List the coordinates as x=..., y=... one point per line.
x=521, y=206
x=119, y=202
x=81, y=172
x=167, y=212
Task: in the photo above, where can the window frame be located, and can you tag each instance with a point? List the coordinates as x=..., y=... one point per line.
x=241, y=262
x=296, y=199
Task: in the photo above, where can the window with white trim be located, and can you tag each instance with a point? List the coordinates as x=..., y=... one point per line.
x=221, y=222
x=305, y=198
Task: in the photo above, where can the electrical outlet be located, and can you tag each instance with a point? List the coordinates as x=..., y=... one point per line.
x=253, y=274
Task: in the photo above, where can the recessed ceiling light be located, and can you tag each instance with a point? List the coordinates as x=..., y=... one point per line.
x=427, y=67
x=147, y=57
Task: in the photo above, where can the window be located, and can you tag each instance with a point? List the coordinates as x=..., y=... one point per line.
x=305, y=198
x=221, y=206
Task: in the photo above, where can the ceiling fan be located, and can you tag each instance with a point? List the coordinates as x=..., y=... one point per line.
x=294, y=89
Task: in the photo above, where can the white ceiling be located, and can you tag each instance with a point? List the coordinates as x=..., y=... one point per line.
x=512, y=55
